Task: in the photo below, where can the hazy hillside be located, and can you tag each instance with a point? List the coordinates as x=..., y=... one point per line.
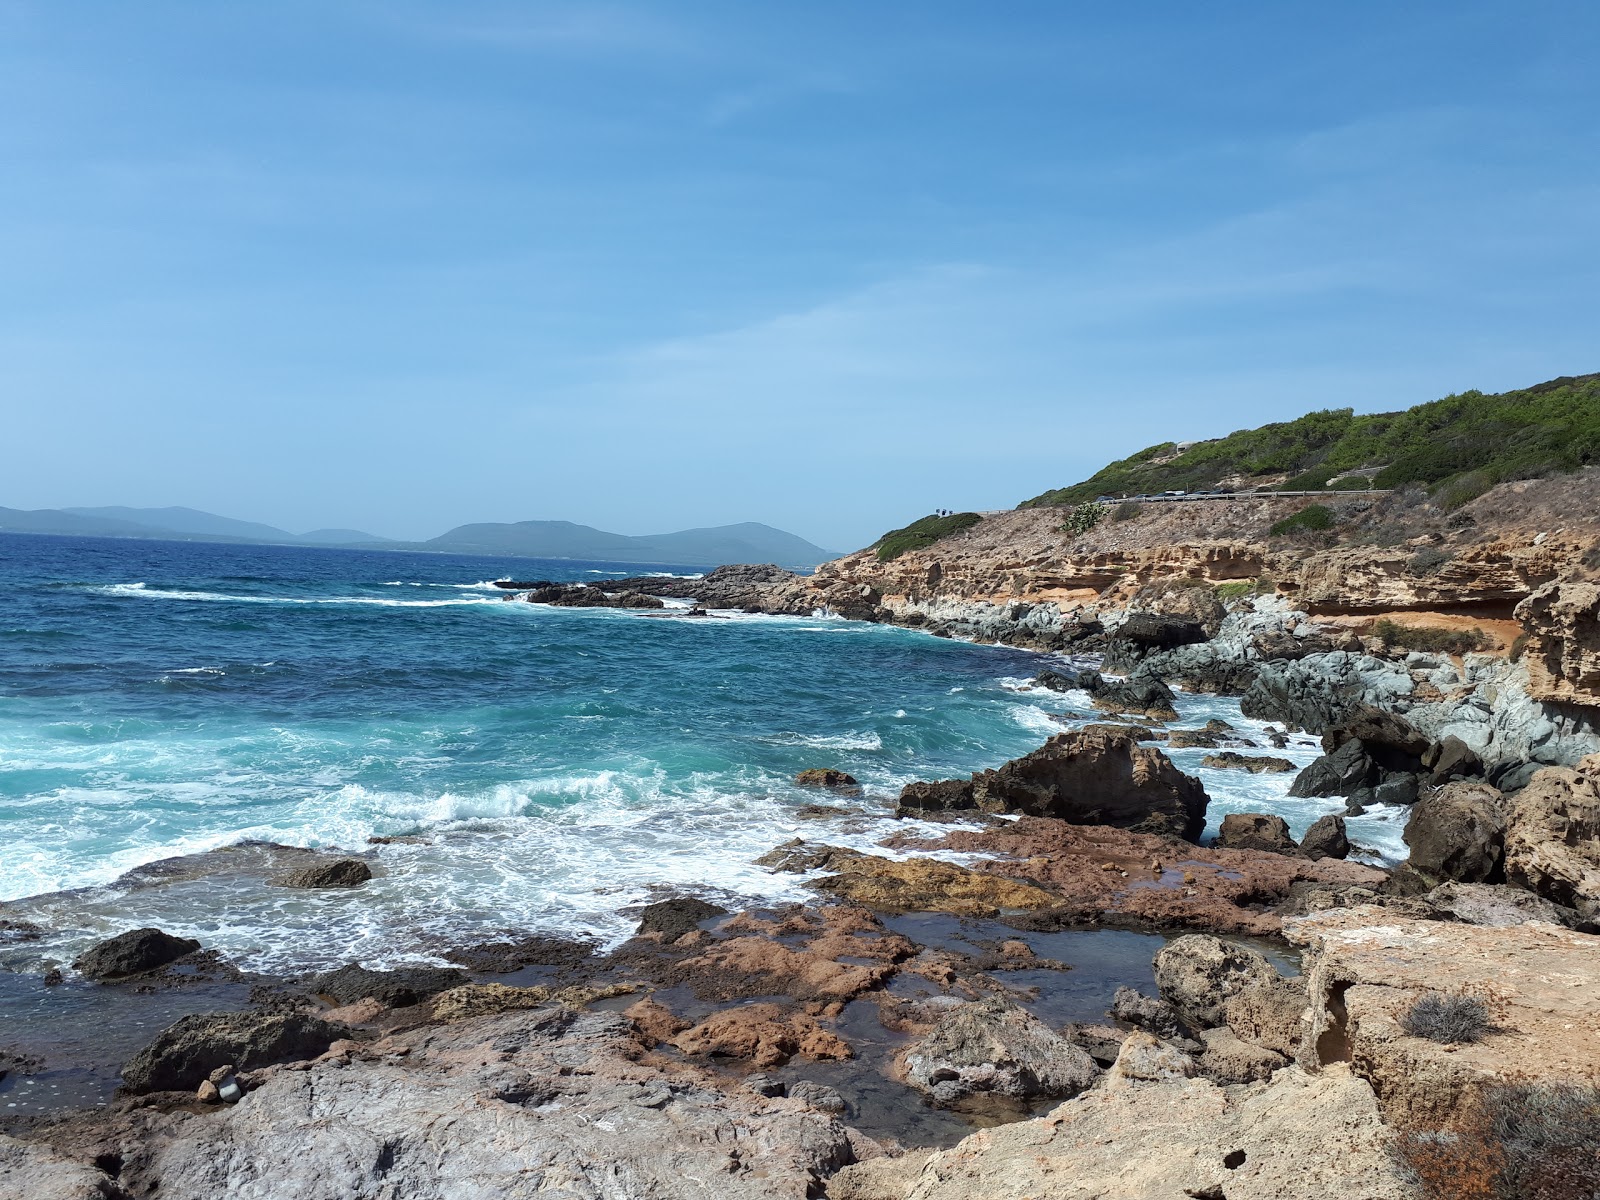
x=1458, y=448
x=193, y=521
x=743, y=543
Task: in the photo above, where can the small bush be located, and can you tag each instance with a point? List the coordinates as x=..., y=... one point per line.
x=1519, y=647
x=1126, y=511
x=1463, y=489
x=1431, y=641
x=1444, y=1018
x=1233, y=591
x=1082, y=518
x=921, y=534
x=1428, y=559
x=1512, y=1142
x=1312, y=518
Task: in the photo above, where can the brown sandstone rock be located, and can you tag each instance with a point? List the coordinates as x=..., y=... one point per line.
x=655, y=1021
x=1269, y=1013
x=1458, y=832
x=1563, y=618
x=1553, y=836
x=764, y=1035
x=1227, y=1059
x=825, y=777
x=339, y=873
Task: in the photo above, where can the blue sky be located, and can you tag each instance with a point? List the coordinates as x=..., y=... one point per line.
x=825, y=265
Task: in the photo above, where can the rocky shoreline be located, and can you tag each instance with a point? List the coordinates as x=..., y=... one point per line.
x=1059, y=993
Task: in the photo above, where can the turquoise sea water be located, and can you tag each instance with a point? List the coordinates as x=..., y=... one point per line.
x=560, y=765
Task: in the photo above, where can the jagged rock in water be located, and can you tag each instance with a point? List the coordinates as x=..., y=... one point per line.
x=1451, y=758
x=1138, y=695
x=673, y=918
x=1326, y=838
x=1458, y=832
x=825, y=777
x=994, y=1046
x=187, y=1051
x=1256, y=764
x=1344, y=772
x=132, y=952
x=1256, y=831
x=1086, y=777
x=340, y=873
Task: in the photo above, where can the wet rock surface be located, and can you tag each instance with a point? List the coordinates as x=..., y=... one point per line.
x=132, y=953
x=340, y=873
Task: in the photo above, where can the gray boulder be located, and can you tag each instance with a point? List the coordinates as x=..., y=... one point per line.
x=993, y=1046
x=1228, y=1060
x=1347, y=770
x=1198, y=974
x=1149, y=1013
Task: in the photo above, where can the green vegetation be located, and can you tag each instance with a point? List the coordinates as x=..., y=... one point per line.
x=1126, y=511
x=1457, y=448
x=1431, y=641
x=1310, y=518
x=1083, y=518
x=1233, y=591
x=920, y=534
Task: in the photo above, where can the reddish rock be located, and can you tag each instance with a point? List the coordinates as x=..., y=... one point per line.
x=764, y=1035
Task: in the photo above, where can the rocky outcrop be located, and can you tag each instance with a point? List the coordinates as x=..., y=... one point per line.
x=825, y=777
x=1097, y=873
x=1365, y=966
x=1552, y=839
x=131, y=953
x=763, y=1035
x=1255, y=764
x=394, y=989
x=995, y=1047
x=1087, y=777
x=29, y=1171
x=1562, y=620
x=187, y=1051
x=1298, y=1136
x=545, y=1103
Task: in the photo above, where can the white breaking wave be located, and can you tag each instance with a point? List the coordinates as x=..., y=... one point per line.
x=140, y=590
x=843, y=741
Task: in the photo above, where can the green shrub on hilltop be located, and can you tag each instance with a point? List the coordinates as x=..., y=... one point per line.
x=920, y=534
x=1457, y=447
x=1083, y=518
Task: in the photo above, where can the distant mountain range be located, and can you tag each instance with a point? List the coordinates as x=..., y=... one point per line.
x=746, y=542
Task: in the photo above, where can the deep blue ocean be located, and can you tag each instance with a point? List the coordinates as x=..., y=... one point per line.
x=160, y=699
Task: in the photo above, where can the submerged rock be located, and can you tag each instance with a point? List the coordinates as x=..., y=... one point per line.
x=186, y=1053
x=131, y=953
x=763, y=1035
x=672, y=919
x=993, y=1046
x=930, y=885
x=340, y=873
